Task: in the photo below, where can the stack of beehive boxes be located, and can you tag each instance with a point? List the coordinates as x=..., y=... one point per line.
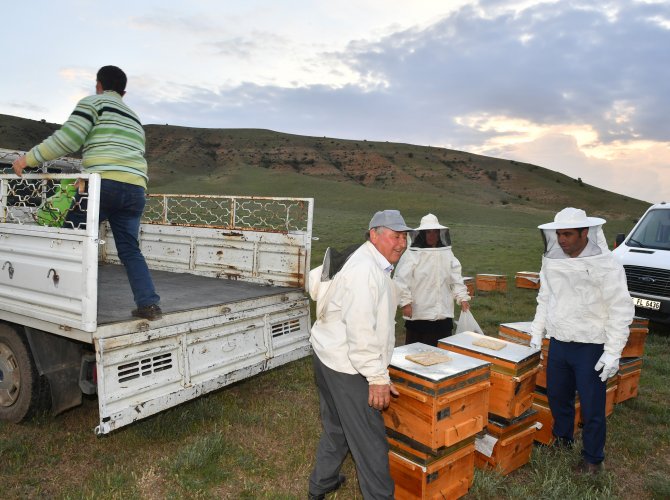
x=630, y=366
x=508, y=441
x=431, y=426
x=519, y=332
x=622, y=386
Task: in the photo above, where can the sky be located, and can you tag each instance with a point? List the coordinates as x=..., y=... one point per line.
x=580, y=87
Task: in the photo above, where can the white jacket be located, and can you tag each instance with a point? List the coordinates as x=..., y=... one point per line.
x=430, y=279
x=583, y=299
x=355, y=327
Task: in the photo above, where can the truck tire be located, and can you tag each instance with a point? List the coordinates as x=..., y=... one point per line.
x=23, y=392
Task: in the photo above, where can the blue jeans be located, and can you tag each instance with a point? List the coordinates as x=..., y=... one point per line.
x=571, y=368
x=122, y=205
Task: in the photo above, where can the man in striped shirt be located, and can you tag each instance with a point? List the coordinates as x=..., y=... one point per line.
x=113, y=145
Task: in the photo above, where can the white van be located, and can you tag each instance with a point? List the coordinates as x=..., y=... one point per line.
x=645, y=255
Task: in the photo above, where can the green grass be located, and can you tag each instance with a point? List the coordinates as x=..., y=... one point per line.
x=257, y=438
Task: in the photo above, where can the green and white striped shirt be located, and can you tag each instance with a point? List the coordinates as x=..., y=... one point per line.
x=111, y=135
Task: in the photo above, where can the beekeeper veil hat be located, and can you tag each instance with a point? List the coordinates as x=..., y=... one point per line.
x=572, y=218
x=429, y=221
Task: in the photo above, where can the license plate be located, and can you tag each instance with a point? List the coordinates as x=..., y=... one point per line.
x=647, y=304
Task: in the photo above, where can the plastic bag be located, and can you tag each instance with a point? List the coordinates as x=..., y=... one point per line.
x=467, y=323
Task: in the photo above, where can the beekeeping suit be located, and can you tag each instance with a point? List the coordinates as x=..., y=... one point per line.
x=582, y=299
x=428, y=280
x=585, y=309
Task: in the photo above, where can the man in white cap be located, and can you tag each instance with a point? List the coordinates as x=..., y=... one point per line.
x=353, y=339
x=429, y=280
x=585, y=308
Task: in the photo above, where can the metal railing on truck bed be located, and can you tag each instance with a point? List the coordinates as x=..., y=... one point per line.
x=50, y=271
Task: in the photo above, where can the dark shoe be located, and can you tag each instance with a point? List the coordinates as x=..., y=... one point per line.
x=150, y=312
x=340, y=481
x=587, y=468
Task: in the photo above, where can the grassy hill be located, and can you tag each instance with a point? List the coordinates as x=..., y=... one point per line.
x=227, y=160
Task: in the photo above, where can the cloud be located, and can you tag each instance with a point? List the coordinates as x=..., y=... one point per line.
x=640, y=171
x=584, y=79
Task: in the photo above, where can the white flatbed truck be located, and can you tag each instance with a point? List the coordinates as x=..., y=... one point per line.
x=231, y=273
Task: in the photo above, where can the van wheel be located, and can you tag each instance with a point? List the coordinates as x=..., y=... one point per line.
x=23, y=392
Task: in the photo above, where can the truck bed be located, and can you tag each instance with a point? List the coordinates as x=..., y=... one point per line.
x=179, y=292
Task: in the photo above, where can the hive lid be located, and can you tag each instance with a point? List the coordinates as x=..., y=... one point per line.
x=457, y=365
x=521, y=326
x=515, y=353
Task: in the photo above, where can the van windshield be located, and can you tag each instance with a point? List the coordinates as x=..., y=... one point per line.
x=653, y=231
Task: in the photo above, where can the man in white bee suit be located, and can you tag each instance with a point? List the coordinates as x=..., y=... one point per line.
x=429, y=279
x=585, y=309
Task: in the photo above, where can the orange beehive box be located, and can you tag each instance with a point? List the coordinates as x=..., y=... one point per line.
x=418, y=453
x=519, y=332
x=527, y=279
x=448, y=477
x=610, y=396
x=469, y=282
x=439, y=404
x=541, y=379
x=634, y=347
x=628, y=379
x=514, y=368
x=491, y=283
x=512, y=443
x=541, y=405
x=640, y=322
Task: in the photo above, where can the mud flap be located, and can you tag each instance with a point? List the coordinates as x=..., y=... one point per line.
x=59, y=360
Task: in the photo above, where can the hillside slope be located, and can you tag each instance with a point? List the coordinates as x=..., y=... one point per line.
x=212, y=160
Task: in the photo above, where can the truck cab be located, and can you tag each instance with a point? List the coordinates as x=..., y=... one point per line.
x=645, y=256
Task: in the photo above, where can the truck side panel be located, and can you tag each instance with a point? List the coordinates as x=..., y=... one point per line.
x=48, y=274
x=277, y=259
x=144, y=373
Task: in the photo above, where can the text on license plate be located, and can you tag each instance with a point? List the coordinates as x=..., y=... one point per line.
x=647, y=304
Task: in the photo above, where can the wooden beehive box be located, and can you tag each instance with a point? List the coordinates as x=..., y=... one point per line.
x=610, y=395
x=449, y=477
x=518, y=332
x=527, y=279
x=440, y=404
x=637, y=337
x=541, y=379
x=469, y=282
x=514, y=368
x=491, y=283
x=628, y=379
x=541, y=405
x=513, y=443
x=640, y=322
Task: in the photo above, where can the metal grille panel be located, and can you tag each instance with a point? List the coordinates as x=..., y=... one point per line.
x=648, y=280
x=144, y=367
x=42, y=199
x=229, y=212
x=285, y=328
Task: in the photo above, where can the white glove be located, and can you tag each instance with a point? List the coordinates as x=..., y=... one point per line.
x=536, y=341
x=609, y=363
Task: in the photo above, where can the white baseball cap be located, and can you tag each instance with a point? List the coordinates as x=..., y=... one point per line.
x=389, y=218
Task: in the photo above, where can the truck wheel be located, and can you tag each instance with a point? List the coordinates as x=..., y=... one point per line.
x=23, y=392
